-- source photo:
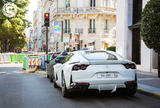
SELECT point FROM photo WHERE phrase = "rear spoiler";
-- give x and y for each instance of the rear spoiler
(106, 62)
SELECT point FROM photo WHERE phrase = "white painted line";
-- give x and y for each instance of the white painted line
(2, 72)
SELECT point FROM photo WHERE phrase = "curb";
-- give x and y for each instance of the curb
(148, 92)
(33, 71)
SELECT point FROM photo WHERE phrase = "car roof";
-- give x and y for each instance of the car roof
(83, 51)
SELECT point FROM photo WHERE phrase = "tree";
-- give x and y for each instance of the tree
(112, 48)
(150, 27)
(12, 36)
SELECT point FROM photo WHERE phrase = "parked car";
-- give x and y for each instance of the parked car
(50, 65)
(101, 70)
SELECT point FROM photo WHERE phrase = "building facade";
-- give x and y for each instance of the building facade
(37, 31)
(129, 41)
(91, 22)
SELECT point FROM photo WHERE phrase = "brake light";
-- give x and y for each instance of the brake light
(129, 66)
(75, 68)
(79, 67)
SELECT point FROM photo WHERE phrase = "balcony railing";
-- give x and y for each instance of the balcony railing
(92, 30)
(79, 30)
(72, 10)
(106, 30)
(67, 30)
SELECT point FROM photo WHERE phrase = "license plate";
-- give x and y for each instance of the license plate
(107, 75)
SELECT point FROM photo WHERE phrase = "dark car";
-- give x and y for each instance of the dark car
(50, 65)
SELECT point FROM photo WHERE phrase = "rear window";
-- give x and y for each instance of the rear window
(93, 55)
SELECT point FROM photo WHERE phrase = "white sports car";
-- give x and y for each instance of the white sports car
(101, 70)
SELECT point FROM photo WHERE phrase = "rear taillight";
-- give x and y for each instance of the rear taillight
(129, 66)
(79, 67)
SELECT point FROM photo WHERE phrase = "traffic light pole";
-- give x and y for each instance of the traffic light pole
(47, 42)
(79, 40)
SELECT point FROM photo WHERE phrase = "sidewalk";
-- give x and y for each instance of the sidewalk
(149, 83)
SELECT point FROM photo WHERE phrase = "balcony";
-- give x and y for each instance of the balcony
(106, 30)
(67, 30)
(92, 30)
(79, 30)
(85, 10)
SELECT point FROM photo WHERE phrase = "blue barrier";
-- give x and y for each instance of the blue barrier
(43, 64)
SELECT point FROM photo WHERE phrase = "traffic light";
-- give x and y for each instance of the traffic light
(46, 19)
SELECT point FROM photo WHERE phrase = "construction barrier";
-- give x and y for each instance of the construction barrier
(4, 58)
(20, 58)
(11, 58)
(29, 61)
(25, 61)
(43, 64)
(34, 62)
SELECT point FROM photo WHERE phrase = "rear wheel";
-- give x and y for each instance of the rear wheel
(47, 76)
(54, 82)
(51, 78)
(131, 90)
(65, 93)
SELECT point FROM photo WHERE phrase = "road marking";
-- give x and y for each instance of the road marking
(149, 89)
(2, 72)
(158, 93)
(142, 88)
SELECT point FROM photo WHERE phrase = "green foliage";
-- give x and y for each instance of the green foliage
(150, 28)
(12, 29)
(112, 48)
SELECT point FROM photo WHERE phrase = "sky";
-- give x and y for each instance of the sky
(31, 8)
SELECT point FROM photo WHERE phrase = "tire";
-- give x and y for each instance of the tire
(51, 78)
(47, 76)
(65, 93)
(54, 83)
(131, 91)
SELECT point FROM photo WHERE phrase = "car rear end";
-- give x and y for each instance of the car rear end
(104, 74)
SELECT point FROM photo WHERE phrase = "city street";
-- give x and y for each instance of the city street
(24, 90)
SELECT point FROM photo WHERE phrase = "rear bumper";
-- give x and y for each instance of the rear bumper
(78, 86)
(101, 87)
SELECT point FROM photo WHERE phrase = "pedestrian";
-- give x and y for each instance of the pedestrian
(85, 47)
(58, 51)
(74, 49)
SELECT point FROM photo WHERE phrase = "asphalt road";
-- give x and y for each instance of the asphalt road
(22, 90)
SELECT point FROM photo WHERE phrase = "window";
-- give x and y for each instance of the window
(106, 26)
(67, 26)
(67, 3)
(99, 55)
(92, 28)
(92, 3)
(105, 3)
(92, 23)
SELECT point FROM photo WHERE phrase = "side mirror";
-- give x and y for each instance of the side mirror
(53, 57)
(58, 61)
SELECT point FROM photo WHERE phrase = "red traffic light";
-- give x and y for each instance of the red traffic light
(44, 45)
(46, 15)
